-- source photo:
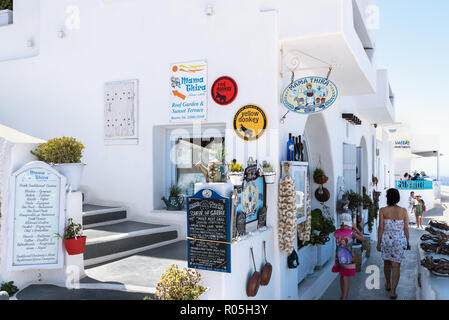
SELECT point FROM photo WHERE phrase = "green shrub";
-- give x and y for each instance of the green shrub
(175, 190)
(9, 287)
(355, 201)
(60, 150)
(366, 201)
(318, 173)
(6, 4)
(177, 284)
(322, 224)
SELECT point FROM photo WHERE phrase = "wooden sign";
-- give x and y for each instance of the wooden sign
(209, 231)
(36, 213)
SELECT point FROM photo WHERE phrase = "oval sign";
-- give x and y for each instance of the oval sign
(250, 122)
(224, 90)
(310, 95)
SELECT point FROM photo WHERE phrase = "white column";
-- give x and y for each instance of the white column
(438, 165)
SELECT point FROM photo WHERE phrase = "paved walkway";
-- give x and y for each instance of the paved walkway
(407, 287)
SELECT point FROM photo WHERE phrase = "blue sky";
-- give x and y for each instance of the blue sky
(413, 44)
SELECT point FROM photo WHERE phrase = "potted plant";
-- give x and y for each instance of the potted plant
(64, 154)
(176, 284)
(355, 201)
(236, 173)
(322, 227)
(366, 201)
(319, 176)
(73, 238)
(175, 200)
(268, 172)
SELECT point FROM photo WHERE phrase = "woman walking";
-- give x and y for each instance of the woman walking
(393, 239)
(343, 260)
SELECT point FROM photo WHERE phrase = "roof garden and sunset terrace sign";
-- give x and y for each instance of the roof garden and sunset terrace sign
(310, 95)
(36, 213)
(188, 91)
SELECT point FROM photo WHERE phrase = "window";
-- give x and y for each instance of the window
(188, 149)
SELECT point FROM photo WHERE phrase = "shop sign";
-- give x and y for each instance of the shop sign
(310, 95)
(209, 231)
(402, 144)
(36, 214)
(188, 91)
(224, 90)
(250, 122)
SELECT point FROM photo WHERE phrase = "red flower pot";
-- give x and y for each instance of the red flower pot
(75, 246)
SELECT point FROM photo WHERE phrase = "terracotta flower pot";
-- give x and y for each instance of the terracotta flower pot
(75, 246)
(320, 179)
(322, 194)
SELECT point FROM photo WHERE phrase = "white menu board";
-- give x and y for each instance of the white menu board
(37, 204)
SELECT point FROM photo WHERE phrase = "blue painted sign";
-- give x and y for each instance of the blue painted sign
(310, 95)
(209, 231)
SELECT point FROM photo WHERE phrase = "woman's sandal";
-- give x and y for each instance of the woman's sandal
(386, 288)
(394, 297)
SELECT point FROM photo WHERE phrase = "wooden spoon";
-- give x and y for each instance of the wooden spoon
(254, 281)
(266, 270)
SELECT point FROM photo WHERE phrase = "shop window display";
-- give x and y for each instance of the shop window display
(186, 152)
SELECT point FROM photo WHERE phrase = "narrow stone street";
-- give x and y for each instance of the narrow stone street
(407, 288)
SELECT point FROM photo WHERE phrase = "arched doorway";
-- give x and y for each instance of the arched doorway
(320, 155)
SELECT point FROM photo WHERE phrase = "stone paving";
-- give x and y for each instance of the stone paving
(407, 287)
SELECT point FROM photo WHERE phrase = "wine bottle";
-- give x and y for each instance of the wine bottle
(290, 148)
(295, 140)
(301, 149)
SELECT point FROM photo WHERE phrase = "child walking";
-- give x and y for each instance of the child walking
(420, 208)
(343, 261)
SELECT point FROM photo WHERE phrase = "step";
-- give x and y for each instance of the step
(105, 243)
(96, 215)
(139, 272)
(52, 292)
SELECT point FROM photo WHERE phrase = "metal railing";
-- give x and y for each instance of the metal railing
(414, 185)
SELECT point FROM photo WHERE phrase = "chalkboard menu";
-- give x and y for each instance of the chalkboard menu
(36, 213)
(209, 231)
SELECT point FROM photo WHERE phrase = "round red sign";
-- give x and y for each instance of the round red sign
(224, 90)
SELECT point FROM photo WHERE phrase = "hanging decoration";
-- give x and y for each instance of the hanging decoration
(287, 214)
(310, 95)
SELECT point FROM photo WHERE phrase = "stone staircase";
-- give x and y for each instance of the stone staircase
(126, 255)
(124, 259)
(110, 235)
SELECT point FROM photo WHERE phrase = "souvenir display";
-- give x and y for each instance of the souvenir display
(286, 211)
(252, 193)
(305, 228)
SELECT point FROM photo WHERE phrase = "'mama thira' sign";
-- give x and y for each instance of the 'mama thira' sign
(36, 214)
(310, 95)
(188, 91)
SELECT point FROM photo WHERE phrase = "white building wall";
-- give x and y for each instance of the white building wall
(60, 90)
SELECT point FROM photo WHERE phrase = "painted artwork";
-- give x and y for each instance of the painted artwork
(310, 95)
(251, 199)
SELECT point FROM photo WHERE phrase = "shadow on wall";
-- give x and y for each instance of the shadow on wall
(320, 154)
